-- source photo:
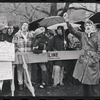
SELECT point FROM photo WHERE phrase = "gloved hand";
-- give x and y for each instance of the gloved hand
(35, 47)
(44, 51)
(65, 16)
(65, 42)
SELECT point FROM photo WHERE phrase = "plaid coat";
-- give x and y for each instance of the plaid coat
(20, 44)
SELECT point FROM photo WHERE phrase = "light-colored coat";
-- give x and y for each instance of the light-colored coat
(85, 73)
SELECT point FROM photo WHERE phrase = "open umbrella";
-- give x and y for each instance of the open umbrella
(53, 27)
(35, 24)
(81, 23)
(46, 22)
(96, 19)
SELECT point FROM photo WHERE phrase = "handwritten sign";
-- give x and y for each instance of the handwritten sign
(7, 51)
(6, 70)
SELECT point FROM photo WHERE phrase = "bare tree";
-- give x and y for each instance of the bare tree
(28, 14)
(53, 9)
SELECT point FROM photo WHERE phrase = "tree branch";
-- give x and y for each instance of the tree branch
(82, 9)
(43, 11)
(15, 7)
(22, 15)
(65, 9)
(61, 9)
(26, 10)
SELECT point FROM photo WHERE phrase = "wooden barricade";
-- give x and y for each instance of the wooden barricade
(28, 57)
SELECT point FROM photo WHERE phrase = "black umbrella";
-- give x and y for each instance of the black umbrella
(35, 24)
(82, 25)
(96, 19)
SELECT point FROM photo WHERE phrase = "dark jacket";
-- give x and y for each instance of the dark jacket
(2, 36)
(57, 44)
(41, 43)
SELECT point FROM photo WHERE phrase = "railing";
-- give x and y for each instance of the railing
(50, 56)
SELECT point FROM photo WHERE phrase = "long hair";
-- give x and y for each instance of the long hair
(61, 27)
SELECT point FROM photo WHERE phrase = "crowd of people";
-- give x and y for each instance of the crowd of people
(42, 40)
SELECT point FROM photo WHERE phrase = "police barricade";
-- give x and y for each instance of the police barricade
(28, 57)
(50, 56)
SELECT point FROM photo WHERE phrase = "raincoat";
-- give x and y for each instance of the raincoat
(87, 66)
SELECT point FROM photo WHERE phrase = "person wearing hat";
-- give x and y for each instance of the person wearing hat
(87, 66)
(3, 32)
(23, 41)
(39, 46)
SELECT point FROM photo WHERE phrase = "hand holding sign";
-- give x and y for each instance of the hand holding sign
(44, 51)
(65, 16)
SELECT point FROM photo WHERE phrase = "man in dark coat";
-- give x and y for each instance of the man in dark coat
(39, 46)
(58, 43)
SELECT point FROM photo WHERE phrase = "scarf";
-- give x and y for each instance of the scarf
(24, 36)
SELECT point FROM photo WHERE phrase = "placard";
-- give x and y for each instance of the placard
(6, 70)
(7, 51)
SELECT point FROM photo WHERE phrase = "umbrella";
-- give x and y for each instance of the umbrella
(53, 27)
(81, 24)
(35, 24)
(96, 19)
(46, 22)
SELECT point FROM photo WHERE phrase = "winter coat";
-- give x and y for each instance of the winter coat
(2, 36)
(40, 44)
(87, 66)
(57, 44)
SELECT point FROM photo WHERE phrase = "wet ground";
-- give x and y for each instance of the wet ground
(68, 89)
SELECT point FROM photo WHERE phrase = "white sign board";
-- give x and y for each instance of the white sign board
(7, 51)
(6, 70)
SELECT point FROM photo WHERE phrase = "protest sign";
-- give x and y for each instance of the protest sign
(7, 51)
(6, 70)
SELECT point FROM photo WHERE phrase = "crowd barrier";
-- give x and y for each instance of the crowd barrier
(49, 56)
(28, 57)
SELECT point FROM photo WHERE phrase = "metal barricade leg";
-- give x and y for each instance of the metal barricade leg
(27, 80)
